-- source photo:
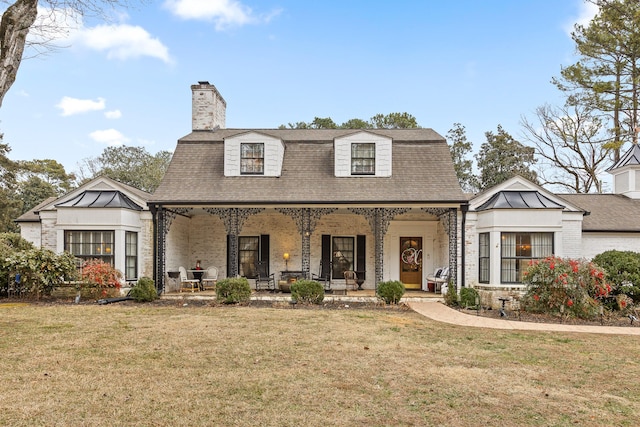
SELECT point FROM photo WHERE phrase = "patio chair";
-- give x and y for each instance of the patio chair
(440, 277)
(350, 279)
(323, 277)
(186, 283)
(210, 278)
(264, 280)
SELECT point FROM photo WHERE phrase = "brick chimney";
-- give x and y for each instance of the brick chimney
(208, 108)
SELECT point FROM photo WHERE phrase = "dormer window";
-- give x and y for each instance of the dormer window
(363, 159)
(252, 158)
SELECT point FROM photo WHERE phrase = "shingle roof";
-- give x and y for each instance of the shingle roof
(607, 212)
(422, 171)
(31, 215)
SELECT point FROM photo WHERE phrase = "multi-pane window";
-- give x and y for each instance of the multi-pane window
(248, 255)
(88, 245)
(131, 255)
(519, 250)
(252, 158)
(363, 159)
(483, 258)
(343, 255)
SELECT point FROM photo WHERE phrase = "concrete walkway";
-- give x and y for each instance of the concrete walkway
(441, 313)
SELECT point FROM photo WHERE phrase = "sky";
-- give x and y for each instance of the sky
(127, 80)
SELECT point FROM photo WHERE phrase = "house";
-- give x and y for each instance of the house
(517, 221)
(296, 203)
(102, 219)
(382, 202)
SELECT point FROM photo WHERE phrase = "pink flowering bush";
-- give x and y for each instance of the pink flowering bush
(102, 277)
(565, 286)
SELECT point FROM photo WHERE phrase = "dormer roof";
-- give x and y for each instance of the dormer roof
(630, 158)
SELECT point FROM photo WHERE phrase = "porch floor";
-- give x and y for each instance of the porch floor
(364, 295)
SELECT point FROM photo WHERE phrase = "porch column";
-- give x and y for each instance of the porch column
(159, 245)
(162, 219)
(233, 219)
(379, 220)
(306, 220)
(449, 219)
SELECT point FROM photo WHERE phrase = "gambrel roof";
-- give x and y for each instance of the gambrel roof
(422, 171)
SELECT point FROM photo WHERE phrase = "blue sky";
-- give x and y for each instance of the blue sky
(127, 81)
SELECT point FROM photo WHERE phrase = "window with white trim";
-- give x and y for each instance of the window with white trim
(88, 245)
(252, 158)
(518, 250)
(131, 255)
(363, 158)
(483, 258)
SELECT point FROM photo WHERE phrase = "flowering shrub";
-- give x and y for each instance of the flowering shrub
(101, 276)
(565, 286)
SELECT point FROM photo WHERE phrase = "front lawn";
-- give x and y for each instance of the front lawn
(174, 365)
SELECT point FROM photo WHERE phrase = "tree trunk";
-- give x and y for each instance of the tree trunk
(14, 27)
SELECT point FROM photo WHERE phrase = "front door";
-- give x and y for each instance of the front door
(411, 262)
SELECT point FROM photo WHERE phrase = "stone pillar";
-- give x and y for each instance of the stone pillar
(306, 220)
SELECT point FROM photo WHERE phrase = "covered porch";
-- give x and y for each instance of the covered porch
(379, 243)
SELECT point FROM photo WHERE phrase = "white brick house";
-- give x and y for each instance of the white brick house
(383, 202)
(517, 221)
(331, 199)
(102, 219)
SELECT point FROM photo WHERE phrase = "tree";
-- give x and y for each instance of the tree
(130, 165)
(394, 121)
(10, 205)
(379, 121)
(19, 19)
(607, 77)
(40, 179)
(502, 157)
(356, 124)
(460, 148)
(569, 141)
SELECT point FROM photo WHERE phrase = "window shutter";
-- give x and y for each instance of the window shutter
(361, 259)
(264, 250)
(325, 262)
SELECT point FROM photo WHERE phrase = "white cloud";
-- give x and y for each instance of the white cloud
(109, 137)
(224, 13)
(63, 27)
(122, 42)
(71, 106)
(115, 114)
(586, 13)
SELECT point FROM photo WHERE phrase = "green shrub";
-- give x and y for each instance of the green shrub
(468, 297)
(307, 291)
(144, 290)
(40, 270)
(451, 297)
(623, 271)
(233, 290)
(390, 292)
(10, 244)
